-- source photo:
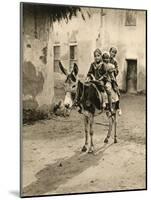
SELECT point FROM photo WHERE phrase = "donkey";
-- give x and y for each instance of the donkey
(90, 101)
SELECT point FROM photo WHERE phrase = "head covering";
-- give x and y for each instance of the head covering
(98, 51)
(105, 55)
(113, 49)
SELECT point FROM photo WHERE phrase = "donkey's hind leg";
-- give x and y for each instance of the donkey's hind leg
(86, 122)
(111, 120)
(115, 125)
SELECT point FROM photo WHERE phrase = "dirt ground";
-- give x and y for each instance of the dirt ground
(53, 162)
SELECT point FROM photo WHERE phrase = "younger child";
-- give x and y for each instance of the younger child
(107, 71)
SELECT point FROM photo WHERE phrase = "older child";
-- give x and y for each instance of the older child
(99, 71)
(113, 52)
(94, 71)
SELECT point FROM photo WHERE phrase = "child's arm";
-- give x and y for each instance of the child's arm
(111, 68)
(103, 72)
(116, 68)
(90, 74)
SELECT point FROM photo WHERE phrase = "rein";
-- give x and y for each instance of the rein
(76, 101)
(82, 95)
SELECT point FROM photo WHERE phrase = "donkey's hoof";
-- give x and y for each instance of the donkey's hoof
(84, 149)
(115, 140)
(106, 140)
(91, 150)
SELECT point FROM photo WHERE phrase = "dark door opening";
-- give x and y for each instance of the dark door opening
(131, 78)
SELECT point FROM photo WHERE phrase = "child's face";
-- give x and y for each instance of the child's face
(106, 60)
(113, 53)
(97, 57)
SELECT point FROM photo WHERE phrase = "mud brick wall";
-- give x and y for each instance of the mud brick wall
(37, 66)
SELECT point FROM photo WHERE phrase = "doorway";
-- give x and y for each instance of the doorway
(131, 78)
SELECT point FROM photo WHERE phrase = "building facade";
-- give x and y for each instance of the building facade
(76, 40)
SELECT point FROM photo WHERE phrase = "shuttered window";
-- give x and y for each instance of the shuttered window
(73, 55)
(130, 18)
(56, 58)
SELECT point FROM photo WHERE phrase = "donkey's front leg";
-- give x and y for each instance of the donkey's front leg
(86, 122)
(110, 128)
(91, 149)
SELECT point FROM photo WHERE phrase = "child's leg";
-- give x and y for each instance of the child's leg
(109, 94)
(104, 99)
(100, 86)
(118, 105)
(118, 108)
(115, 87)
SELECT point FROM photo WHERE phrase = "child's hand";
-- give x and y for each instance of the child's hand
(111, 70)
(88, 78)
(100, 79)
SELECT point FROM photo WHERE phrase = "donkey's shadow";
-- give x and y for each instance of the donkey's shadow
(53, 175)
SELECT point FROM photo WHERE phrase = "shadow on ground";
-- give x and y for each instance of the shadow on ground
(51, 176)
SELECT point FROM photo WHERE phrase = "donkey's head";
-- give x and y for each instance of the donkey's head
(70, 85)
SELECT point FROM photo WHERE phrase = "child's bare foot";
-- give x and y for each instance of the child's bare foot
(104, 105)
(119, 112)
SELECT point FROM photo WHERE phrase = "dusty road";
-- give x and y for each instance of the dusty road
(53, 162)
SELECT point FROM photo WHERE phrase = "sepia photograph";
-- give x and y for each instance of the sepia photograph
(83, 96)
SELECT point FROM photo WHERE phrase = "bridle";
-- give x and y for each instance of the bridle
(77, 100)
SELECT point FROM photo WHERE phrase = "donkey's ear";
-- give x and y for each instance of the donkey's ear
(63, 69)
(75, 69)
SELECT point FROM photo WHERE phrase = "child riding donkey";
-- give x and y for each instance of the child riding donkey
(103, 71)
(88, 97)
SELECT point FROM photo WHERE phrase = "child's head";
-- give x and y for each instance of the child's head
(97, 55)
(106, 57)
(113, 52)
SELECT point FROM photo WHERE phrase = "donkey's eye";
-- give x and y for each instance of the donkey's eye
(73, 86)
